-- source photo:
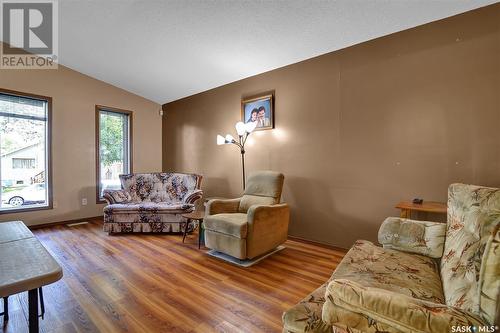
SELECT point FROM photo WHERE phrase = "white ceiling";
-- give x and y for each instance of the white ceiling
(166, 50)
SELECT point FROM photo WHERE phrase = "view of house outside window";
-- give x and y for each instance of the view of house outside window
(24, 153)
(114, 149)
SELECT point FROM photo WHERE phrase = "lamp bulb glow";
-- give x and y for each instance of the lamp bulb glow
(220, 140)
(240, 128)
(250, 126)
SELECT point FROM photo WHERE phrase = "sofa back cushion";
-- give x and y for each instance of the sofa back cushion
(489, 280)
(263, 188)
(159, 187)
(473, 216)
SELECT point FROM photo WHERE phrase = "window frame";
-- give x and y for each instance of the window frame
(48, 147)
(130, 114)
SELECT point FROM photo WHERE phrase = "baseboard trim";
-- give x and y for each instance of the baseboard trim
(53, 224)
(316, 243)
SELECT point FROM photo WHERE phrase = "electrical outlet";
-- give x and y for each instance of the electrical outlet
(84, 202)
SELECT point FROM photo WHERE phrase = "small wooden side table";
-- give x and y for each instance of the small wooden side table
(427, 206)
(198, 216)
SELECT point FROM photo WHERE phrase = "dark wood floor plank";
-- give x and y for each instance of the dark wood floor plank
(156, 283)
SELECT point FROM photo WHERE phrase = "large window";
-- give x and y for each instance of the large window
(25, 175)
(114, 147)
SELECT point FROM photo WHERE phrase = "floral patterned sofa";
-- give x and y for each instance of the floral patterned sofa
(151, 202)
(428, 276)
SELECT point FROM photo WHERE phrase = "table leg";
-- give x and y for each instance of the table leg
(186, 229)
(33, 310)
(42, 304)
(405, 213)
(6, 309)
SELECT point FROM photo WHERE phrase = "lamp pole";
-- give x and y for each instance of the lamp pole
(241, 144)
(244, 130)
(243, 166)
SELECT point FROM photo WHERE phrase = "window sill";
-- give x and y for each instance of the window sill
(24, 210)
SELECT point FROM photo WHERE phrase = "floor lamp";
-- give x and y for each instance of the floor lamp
(243, 130)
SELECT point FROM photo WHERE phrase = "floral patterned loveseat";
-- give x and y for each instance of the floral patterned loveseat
(428, 277)
(151, 202)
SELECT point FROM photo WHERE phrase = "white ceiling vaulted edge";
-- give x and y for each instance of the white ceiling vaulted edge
(166, 50)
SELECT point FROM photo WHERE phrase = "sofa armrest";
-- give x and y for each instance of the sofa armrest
(422, 237)
(192, 196)
(218, 206)
(371, 309)
(116, 196)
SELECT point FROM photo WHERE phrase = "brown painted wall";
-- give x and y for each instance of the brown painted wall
(359, 129)
(74, 97)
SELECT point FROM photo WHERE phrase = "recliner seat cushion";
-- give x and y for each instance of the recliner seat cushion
(234, 246)
(233, 224)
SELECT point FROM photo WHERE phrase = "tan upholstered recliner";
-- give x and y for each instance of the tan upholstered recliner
(252, 225)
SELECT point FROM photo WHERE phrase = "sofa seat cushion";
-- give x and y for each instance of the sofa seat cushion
(372, 266)
(408, 274)
(374, 310)
(148, 207)
(306, 315)
(233, 224)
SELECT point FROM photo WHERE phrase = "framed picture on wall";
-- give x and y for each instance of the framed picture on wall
(259, 109)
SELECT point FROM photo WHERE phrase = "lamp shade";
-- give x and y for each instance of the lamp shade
(240, 128)
(220, 140)
(250, 126)
(229, 138)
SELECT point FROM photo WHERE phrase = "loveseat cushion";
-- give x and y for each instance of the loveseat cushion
(374, 310)
(148, 207)
(473, 215)
(233, 224)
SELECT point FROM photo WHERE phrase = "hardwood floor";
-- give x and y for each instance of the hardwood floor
(155, 283)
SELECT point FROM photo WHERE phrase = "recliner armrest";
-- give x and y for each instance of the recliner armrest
(219, 206)
(267, 228)
(267, 214)
(422, 237)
